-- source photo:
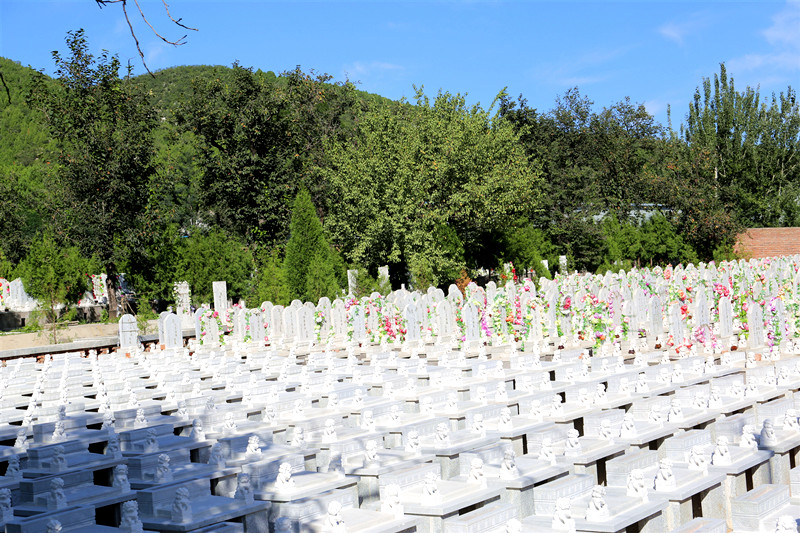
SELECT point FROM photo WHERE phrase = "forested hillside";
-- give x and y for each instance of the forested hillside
(193, 174)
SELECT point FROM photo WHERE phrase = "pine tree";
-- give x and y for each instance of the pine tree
(307, 252)
(271, 280)
(321, 278)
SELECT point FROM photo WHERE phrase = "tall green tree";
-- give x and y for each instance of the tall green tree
(593, 166)
(208, 256)
(261, 138)
(753, 145)
(308, 268)
(421, 186)
(56, 274)
(103, 126)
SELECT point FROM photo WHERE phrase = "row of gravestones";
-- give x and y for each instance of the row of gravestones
(435, 312)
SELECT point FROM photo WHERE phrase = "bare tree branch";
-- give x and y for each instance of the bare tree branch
(178, 22)
(177, 42)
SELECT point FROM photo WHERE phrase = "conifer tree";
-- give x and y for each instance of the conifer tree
(307, 253)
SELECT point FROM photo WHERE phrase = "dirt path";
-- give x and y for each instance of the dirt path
(12, 341)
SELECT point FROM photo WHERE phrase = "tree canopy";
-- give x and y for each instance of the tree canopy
(279, 183)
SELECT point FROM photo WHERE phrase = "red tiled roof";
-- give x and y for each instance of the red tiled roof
(768, 242)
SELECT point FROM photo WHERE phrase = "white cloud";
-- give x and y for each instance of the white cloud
(362, 71)
(586, 69)
(785, 26)
(783, 57)
(678, 31)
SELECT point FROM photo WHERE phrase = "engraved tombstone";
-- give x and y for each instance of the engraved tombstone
(128, 332)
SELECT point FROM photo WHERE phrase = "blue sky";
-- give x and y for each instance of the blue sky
(654, 52)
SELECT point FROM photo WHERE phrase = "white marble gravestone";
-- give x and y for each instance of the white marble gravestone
(183, 302)
(352, 282)
(220, 289)
(755, 321)
(725, 318)
(161, 317)
(173, 333)
(128, 332)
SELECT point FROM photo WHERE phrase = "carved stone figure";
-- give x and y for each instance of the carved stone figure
(635, 486)
(112, 448)
(721, 456)
(215, 457)
(442, 435)
(150, 441)
(371, 453)
(56, 499)
(334, 522)
(244, 490)
(329, 431)
(477, 424)
(508, 468)
(675, 413)
(573, 443)
(130, 522)
(6, 512)
(59, 433)
(163, 473)
(665, 479)
(768, 435)
(120, 479)
(13, 471)
(697, 460)
(476, 474)
(546, 451)
(597, 510)
(141, 420)
(298, 438)
(181, 511)
(284, 480)
(748, 439)
(562, 517)
(198, 433)
(390, 503)
(253, 450)
(412, 442)
(58, 463)
(430, 490)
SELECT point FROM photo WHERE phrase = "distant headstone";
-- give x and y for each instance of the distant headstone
(338, 319)
(656, 319)
(383, 279)
(198, 329)
(676, 327)
(454, 295)
(472, 322)
(755, 322)
(128, 332)
(211, 329)
(173, 332)
(725, 318)
(161, 334)
(702, 318)
(220, 289)
(412, 322)
(275, 330)
(359, 327)
(446, 317)
(352, 282)
(183, 301)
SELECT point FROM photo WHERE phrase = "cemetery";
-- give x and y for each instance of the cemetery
(664, 399)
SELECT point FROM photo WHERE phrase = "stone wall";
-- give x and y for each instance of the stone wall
(768, 242)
